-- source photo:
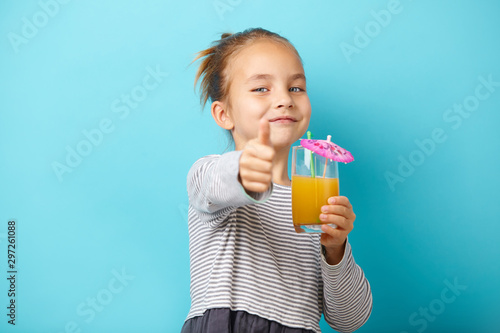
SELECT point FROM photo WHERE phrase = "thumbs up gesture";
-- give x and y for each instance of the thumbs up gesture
(256, 161)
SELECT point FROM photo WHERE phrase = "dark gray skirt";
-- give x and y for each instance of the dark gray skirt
(224, 320)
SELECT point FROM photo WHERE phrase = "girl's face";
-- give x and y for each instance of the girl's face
(267, 80)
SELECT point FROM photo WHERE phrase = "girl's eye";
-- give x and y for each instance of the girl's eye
(261, 90)
(296, 89)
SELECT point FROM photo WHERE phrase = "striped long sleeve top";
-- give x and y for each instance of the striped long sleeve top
(245, 255)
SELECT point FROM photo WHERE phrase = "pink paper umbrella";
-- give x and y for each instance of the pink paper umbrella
(327, 149)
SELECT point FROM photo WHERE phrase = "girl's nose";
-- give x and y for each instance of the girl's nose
(284, 100)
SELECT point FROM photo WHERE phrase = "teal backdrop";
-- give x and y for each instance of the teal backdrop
(99, 125)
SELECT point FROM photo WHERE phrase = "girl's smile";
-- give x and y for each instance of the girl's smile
(283, 120)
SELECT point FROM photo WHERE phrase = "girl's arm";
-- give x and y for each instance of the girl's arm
(214, 190)
(347, 296)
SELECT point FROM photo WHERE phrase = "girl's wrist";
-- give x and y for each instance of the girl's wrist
(334, 254)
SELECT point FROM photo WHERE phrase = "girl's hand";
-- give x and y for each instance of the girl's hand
(256, 161)
(339, 212)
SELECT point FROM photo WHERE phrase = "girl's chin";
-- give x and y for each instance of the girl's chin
(280, 144)
(284, 137)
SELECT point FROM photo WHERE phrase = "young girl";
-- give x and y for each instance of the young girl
(250, 270)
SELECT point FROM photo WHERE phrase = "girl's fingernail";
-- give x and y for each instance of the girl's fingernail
(331, 201)
(324, 209)
(322, 216)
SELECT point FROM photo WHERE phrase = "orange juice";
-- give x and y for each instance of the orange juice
(308, 196)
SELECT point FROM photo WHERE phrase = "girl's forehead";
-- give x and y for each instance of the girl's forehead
(264, 57)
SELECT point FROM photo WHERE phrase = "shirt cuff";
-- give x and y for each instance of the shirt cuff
(335, 270)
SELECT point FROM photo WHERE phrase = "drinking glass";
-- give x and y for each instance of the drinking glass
(314, 179)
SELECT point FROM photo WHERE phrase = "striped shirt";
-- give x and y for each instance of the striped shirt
(245, 255)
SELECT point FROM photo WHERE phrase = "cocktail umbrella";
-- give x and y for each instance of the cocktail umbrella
(327, 149)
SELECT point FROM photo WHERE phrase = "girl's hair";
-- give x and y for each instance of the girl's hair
(212, 70)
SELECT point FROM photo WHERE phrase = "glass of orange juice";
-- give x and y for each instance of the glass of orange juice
(314, 179)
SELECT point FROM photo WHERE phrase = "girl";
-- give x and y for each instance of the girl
(250, 270)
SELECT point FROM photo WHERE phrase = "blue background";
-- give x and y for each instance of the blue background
(122, 209)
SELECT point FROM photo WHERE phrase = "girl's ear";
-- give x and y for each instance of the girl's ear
(221, 115)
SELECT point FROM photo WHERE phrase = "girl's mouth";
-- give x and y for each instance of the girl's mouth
(283, 120)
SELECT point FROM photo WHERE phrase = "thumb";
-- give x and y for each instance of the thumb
(264, 135)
